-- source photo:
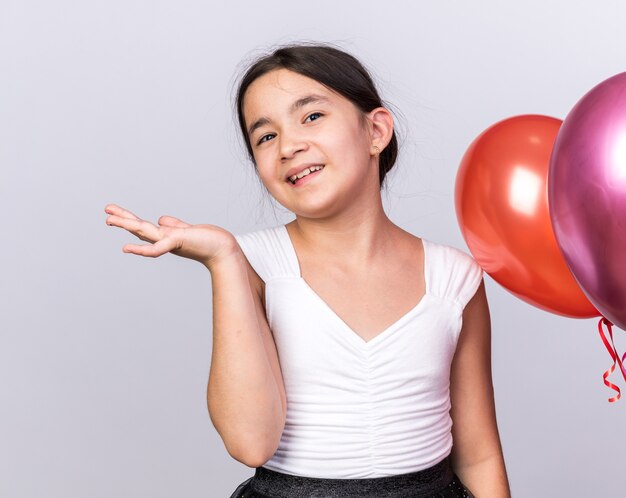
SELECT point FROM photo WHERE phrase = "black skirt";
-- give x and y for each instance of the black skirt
(438, 481)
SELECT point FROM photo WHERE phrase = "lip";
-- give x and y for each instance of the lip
(298, 169)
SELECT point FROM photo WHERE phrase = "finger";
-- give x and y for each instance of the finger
(151, 250)
(170, 221)
(119, 211)
(140, 228)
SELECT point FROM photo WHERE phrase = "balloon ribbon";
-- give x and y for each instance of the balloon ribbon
(610, 346)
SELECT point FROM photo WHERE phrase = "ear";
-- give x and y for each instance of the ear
(380, 127)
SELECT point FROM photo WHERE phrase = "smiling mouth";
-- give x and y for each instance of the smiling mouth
(306, 172)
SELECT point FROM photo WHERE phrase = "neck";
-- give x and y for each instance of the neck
(353, 237)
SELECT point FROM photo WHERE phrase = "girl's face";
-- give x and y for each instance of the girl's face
(295, 123)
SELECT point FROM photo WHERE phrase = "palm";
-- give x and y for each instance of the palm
(203, 243)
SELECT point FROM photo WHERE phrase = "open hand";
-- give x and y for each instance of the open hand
(204, 243)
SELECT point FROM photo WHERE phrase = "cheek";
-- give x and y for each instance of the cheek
(261, 164)
(355, 134)
(352, 146)
(266, 172)
(264, 175)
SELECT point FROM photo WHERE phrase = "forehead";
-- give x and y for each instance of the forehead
(281, 85)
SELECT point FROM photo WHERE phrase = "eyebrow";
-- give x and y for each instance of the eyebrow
(298, 104)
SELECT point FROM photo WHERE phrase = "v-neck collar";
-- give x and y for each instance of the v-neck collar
(360, 341)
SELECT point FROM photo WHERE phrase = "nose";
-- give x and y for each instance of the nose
(291, 144)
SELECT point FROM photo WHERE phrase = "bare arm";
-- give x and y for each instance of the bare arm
(477, 453)
(245, 394)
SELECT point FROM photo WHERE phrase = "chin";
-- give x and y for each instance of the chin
(320, 211)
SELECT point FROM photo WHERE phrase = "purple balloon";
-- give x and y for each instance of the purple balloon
(587, 195)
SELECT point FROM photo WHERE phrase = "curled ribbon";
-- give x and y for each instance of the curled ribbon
(610, 346)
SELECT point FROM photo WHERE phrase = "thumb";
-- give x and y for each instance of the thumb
(170, 221)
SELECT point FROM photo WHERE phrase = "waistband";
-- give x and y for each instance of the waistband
(420, 484)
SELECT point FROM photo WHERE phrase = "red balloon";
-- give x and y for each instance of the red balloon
(501, 202)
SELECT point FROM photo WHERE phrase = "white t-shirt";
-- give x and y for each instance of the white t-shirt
(356, 408)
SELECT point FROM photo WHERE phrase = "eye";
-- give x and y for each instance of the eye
(262, 139)
(314, 116)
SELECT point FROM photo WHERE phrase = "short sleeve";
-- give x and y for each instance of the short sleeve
(252, 247)
(457, 276)
(265, 251)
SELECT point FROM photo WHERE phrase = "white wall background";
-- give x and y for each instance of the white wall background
(104, 356)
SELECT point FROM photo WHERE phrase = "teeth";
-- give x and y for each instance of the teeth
(305, 172)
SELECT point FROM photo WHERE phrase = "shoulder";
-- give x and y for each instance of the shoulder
(450, 253)
(454, 274)
(256, 239)
(266, 251)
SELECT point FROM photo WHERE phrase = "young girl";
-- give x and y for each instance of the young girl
(348, 354)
